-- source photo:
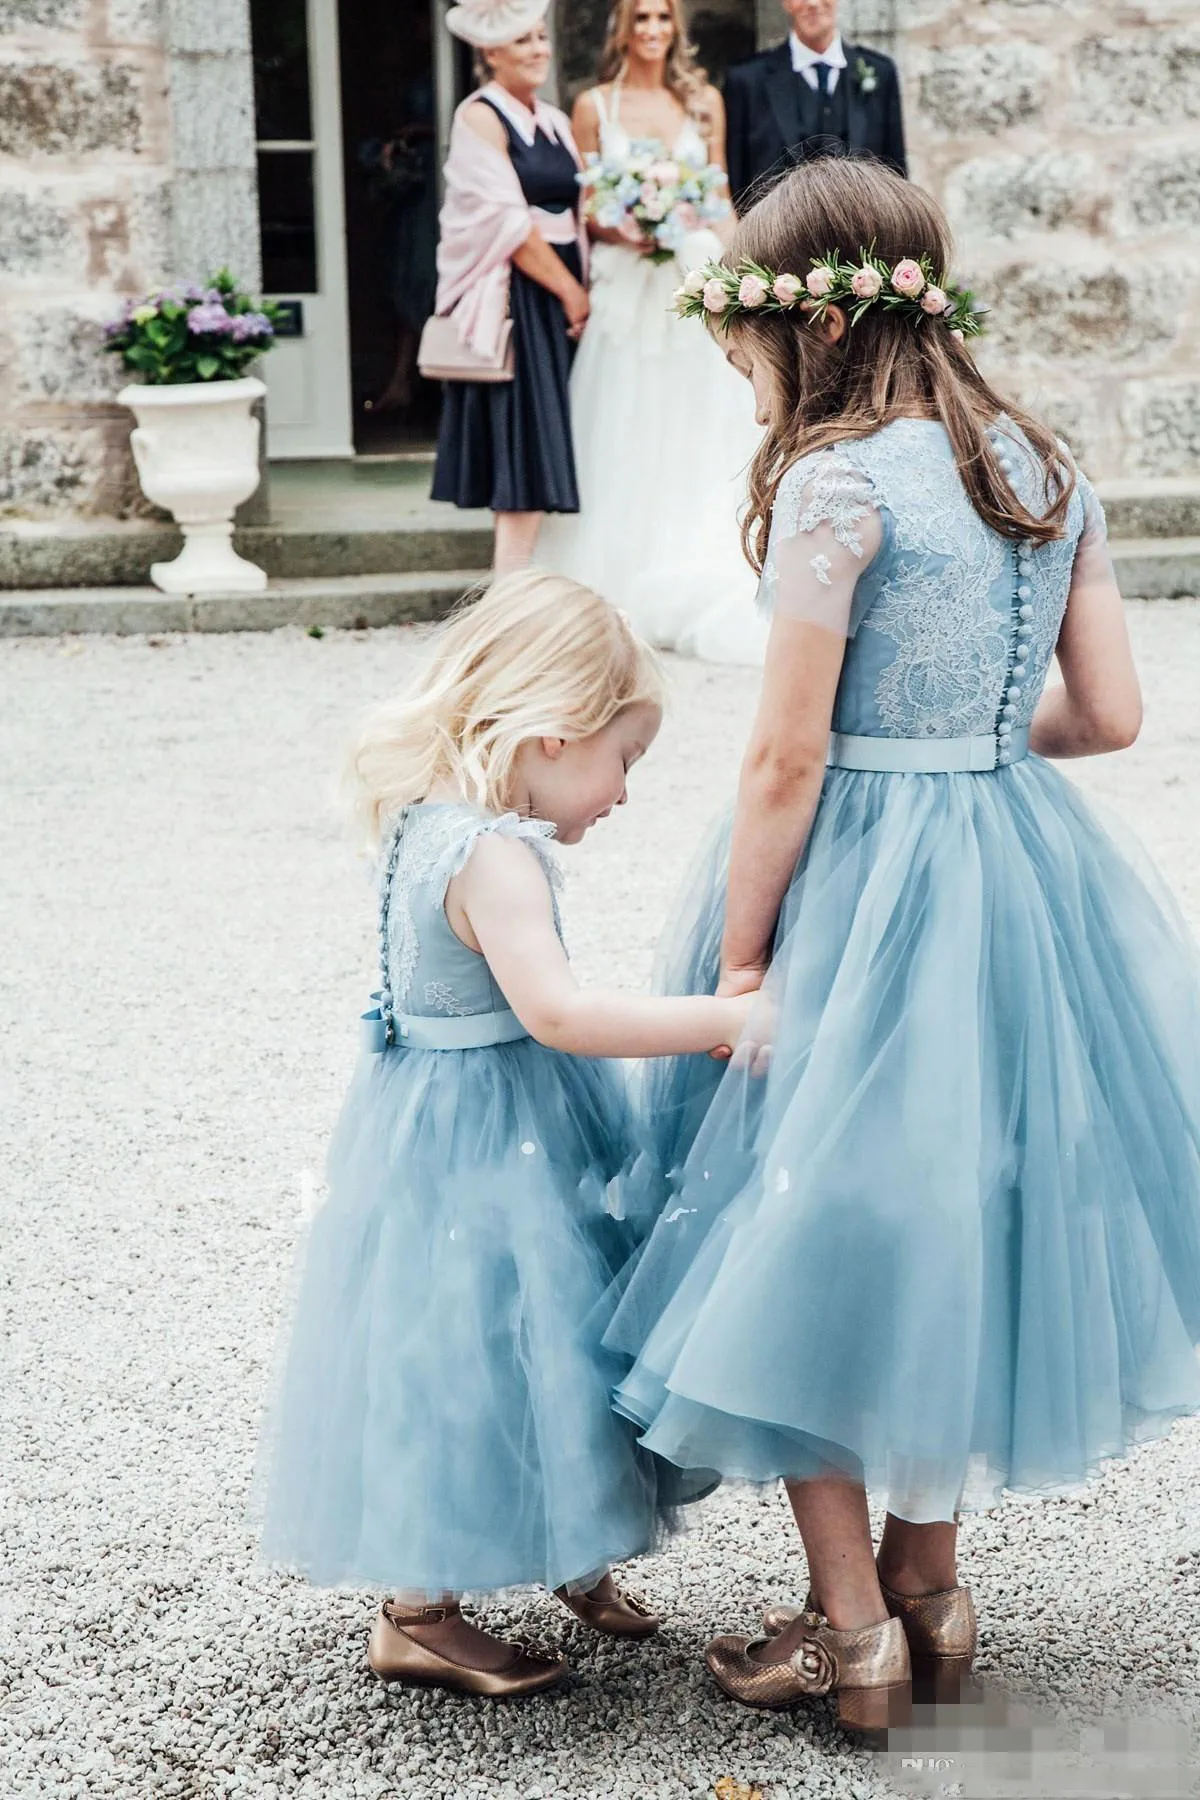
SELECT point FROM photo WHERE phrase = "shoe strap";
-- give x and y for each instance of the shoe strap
(419, 1615)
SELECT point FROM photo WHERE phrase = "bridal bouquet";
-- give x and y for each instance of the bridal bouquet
(653, 197)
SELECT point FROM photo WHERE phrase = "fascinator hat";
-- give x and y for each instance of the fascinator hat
(488, 23)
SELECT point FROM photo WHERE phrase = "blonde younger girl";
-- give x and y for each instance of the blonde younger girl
(445, 1422)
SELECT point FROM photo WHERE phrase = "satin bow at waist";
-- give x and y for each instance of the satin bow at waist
(411, 1031)
(927, 756)
(556, 227)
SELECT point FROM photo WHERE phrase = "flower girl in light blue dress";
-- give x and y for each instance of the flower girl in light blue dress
(945, 1239)
(444, 1421)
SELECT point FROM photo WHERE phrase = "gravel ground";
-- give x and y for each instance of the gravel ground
(187, 945)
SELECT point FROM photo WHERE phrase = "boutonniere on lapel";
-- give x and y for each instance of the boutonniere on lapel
(866, 77)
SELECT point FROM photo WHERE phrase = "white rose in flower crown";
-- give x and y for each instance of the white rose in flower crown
(714, 296)
(752, 291)
(786, 289)
(934, 301)
(693, 283)
(866, 282)
(818, 282)
(907, 278)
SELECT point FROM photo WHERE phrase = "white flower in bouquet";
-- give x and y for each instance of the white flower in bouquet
(653, 198)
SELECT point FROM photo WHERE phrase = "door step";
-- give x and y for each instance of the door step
(351, 602)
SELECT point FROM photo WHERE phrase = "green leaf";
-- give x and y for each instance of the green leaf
(207, 367)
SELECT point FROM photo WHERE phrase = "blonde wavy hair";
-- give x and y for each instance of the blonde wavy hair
(534, 656)
(683, 76)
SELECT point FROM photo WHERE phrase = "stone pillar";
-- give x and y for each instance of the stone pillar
(214, 192)
(1064, 142)
(84, 219)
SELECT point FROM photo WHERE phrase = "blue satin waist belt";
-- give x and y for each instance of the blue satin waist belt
(478, 1031)
(927, 756)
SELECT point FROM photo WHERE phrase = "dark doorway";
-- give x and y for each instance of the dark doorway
(390, 158)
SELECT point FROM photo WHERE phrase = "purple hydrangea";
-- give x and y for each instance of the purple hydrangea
(122, 321)
(251, 325)
(192, 292)
(210, 317)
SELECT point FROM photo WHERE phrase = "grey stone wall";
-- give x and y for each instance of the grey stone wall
(1063, 138)
(84, 171)
(126, 161)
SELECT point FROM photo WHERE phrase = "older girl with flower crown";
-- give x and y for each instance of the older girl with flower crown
(946, 1240)
(444, 1423)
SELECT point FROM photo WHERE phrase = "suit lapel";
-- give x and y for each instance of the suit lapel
(856, 102)
(784, 93)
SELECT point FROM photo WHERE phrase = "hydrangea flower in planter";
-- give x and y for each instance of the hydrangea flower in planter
(196, 441)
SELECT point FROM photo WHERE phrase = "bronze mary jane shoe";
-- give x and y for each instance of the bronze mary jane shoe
(941, 1632)
(622, 1616)
(867, 1671)
(395, 1655)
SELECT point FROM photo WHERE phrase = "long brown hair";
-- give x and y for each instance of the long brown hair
(889, 365)
(683, 76)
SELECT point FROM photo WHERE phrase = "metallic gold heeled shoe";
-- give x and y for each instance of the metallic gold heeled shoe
(777, 1618)
(942, 1631)
(867, 1671)
(395, 1655)
(622, 1616)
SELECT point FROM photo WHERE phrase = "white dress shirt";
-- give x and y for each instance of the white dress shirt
(803, 60)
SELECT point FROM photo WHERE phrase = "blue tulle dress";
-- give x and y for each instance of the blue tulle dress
(443, 1423)
(950, 1243)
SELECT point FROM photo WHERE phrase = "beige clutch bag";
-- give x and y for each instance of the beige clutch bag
(442, 355)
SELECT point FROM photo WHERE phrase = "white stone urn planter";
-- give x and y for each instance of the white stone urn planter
(196, 450)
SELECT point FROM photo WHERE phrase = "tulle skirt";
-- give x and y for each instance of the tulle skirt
(949, 1243)
(443, 1420)
(663, 431)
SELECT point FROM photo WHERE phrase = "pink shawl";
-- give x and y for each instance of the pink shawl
(485, 218)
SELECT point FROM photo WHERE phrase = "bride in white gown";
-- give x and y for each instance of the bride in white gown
(663, 427)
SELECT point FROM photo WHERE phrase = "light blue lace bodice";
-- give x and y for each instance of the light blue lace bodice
(427, 970)
(951, 627)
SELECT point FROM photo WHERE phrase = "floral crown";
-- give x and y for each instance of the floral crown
(721, 295)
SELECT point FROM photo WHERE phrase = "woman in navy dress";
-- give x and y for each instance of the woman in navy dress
(507, 445)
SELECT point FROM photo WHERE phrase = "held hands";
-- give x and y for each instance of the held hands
(738, 989)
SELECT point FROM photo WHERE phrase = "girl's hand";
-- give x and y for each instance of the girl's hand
(745, 980)
(737, 1010)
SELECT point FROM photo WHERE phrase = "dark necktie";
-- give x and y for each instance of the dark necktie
(824, 74)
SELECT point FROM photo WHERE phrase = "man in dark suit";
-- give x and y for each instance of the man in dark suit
(813, 93)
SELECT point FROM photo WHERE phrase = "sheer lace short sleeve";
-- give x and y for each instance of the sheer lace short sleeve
(1093, 562)
(825, 530)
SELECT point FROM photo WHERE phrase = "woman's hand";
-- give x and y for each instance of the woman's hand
(577, 306)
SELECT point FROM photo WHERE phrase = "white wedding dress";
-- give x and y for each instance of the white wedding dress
(663, 430)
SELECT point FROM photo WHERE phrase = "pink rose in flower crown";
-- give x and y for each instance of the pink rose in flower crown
(786, 289)
(752, 290)
(961, 336)
(866, 282)
(907, 278)
(714, 296)
(818, 282)
(933, 300)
